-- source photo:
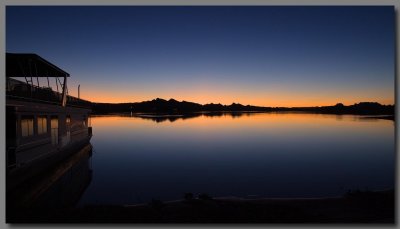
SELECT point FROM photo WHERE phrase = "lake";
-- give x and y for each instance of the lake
(251, 155)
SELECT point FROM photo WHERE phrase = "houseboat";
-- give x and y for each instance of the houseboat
(44, 125)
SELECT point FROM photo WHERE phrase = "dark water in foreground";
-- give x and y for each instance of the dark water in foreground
(259, 155)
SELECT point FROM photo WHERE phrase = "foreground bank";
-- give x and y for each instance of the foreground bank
(353, 207)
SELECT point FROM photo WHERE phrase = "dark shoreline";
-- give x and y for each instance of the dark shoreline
(357, 207)
(173, 106)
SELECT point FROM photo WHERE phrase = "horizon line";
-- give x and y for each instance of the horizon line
(246, 104)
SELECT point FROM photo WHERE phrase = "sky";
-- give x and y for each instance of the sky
(260, 55)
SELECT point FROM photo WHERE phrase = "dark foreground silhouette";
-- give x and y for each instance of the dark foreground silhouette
(161, 106)
(353, 207)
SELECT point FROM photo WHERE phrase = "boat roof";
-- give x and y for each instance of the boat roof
(31, 65)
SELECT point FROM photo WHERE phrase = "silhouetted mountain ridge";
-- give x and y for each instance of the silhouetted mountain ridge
(173, 106)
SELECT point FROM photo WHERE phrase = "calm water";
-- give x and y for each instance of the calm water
(136, 159)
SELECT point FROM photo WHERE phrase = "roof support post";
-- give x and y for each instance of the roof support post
(64, 93)
(57, 84)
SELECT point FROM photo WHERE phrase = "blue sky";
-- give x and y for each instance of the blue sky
(270, 56)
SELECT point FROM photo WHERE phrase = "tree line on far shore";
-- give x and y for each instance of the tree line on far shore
(173, 106)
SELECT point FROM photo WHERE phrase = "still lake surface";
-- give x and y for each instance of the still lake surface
(247, 155)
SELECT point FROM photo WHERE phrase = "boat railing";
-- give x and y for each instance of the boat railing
(22, 91)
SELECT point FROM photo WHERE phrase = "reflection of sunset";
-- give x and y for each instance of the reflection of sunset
(270, 120)
(274, 123)
(202, 113)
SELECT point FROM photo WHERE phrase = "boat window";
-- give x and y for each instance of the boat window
(54, 122)
(42, 124)
(26, 126)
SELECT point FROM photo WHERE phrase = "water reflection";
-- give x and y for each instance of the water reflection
(262, 154)
(174, 117)
(163, 118)
(58, 189)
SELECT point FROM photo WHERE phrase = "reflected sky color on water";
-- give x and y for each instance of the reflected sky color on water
(253, 155)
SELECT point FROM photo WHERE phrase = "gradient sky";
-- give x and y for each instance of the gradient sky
(267, 56)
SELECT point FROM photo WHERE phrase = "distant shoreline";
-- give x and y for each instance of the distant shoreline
(161, 106)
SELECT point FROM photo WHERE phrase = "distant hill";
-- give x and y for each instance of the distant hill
(173, 106)
(169, 106)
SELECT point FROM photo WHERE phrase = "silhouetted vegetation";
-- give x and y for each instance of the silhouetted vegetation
(156, 204)
(205, 196)
(161, 106)
(188, 196)
(355, 207)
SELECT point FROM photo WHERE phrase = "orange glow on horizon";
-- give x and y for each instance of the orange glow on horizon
(268, 98)
(276, 102)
